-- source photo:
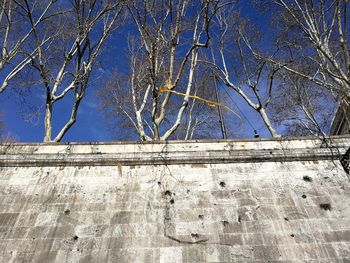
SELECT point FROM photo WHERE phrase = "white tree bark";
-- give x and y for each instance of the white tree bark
(164, 32)
(11, 53)
(252, 80)
(81, 57)
(324, 26)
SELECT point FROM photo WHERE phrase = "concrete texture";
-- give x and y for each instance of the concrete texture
(209, 201)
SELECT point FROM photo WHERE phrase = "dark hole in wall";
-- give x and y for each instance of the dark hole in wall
(222, 184)
(201, 217)
(67, 212)
(307, 178)
(326, 206)
(167, 192)
(304, 196)
(225, 223)
(194, 235)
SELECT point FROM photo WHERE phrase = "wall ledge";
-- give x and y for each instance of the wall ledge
(194, 152)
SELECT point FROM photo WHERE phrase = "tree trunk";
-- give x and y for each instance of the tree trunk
(48, 124)
(268, 124)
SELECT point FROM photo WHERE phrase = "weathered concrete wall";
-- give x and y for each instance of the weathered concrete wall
(244, 201)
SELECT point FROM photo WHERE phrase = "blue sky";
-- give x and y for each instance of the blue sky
(90, 125)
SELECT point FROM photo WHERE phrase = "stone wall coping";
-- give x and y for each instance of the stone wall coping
(173, 152)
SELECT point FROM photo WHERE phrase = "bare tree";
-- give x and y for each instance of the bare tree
(163, 61)
(301, 107)
(165, 89)
(199, 121)
(16, 53)
(252, 78)
(315, 33)
(65, 66)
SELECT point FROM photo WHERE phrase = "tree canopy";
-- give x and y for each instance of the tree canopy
(180, 69)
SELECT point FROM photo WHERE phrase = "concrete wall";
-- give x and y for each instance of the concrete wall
(228, 201)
